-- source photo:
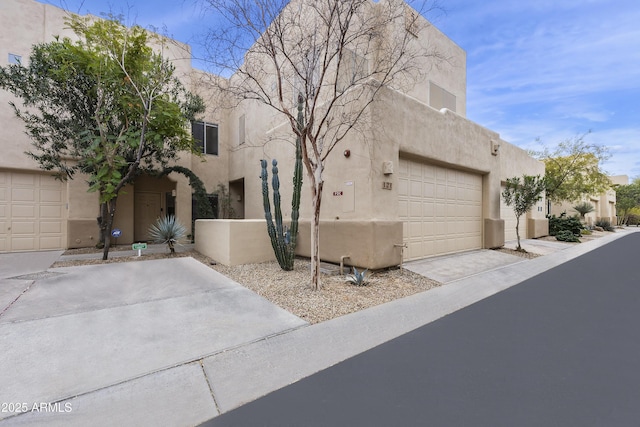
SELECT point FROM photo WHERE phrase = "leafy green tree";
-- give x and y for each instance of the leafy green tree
(573, 169)
(107, 106)
(627, 199)
(522, 195)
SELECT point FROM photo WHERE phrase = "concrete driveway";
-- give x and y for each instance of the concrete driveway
(127, 338)
(449, 268)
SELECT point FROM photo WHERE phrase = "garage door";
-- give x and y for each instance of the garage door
(441, 209)
(31, 212)
(506, 213)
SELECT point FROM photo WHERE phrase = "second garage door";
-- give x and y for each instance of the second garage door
(441, 209)
(31, 212)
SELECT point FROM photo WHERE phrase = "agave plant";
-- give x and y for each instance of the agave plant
(583, 209)
(358, 277)
(169, 230)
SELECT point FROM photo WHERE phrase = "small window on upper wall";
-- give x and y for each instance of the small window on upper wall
(354, 69)
(241, 132)
(206, 137)
(14, 59)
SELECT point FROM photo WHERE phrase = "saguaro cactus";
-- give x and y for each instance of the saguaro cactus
(283, 239)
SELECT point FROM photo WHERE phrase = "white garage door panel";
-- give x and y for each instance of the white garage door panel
(20, 227)
(23, 211)
(441, 209)
(32, 214)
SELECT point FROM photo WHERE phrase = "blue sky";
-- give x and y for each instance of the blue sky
(546, 69)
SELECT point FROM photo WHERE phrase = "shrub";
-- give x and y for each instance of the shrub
(567, 236)
(606, 225)
(169, 230)
(633, 219)
(585, 232)
(357, 278)
(564, 223)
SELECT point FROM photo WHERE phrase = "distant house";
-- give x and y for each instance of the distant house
(426, 181)
(604, 204)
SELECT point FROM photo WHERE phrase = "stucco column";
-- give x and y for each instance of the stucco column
(493, 224)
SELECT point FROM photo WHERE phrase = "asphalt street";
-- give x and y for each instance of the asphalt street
(559, 349)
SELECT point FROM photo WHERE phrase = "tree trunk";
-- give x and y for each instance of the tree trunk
(315, 235)
(108, 224)
(102, 225)
(518, 248)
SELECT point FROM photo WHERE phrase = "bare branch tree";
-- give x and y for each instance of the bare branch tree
(338, 54)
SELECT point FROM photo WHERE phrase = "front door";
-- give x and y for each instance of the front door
(147, 208)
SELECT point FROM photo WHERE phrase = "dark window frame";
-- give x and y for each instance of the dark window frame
(206, 136)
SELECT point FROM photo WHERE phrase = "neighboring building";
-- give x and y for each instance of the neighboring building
(604, 204)
(428, 176)
(38, 212)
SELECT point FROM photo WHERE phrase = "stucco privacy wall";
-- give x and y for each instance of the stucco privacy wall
(371, 244)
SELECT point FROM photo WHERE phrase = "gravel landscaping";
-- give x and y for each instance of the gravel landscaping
(291, 290)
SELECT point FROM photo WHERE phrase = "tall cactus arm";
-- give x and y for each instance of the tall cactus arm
(297, 181)
(267, 213)
(275, 184)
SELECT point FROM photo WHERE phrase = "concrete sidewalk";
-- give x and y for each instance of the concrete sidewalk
(123, 343)
(146, 353)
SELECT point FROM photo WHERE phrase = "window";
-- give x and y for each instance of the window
(440, 98)
(213, 201)
(241, 134)
(353, 69)
(206, 136)
(14, 59)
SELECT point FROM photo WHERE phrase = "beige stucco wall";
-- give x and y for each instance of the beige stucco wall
(22, 24)
(233, 242)
(444, 64)
(212, 170)
(515, 162)
(368, 244)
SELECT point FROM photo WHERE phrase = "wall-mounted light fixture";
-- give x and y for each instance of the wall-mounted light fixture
(387, 167)
(495, 147)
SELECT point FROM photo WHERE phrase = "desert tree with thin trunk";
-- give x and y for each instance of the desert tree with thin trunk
(337, 54)
(522, 195)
